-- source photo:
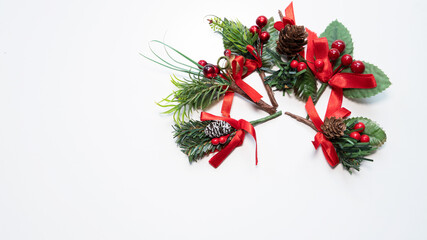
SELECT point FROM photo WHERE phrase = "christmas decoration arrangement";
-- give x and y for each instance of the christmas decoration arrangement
(288, 58)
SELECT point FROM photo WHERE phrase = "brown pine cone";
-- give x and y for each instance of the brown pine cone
(333, 127)
(292, 40)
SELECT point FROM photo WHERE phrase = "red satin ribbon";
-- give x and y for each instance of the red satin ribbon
(251, 64)
(289, 18)
(238, 78)
(319, 48)
(241, 126)
(320, 139)
(227, 102)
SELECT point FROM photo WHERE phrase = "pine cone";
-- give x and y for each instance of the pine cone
(292, 40)
(217, 129)
(333, 127)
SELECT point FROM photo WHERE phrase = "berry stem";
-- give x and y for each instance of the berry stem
(301, 119)
(336, 69)
(265, 119)
(268, 89)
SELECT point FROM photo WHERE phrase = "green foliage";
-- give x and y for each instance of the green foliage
(337, 31)
(351, 153)
(197, 92)
(192, 140)
(376, 134)
(305, 86)
(267, 58)
(216, 24)
(235, 35)
(286, 78)
(383, 83)
(282, 79)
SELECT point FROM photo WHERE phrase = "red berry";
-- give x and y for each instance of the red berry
(319, 64)
(301, 66)
(202, 63)
(215, 141)
(216, 69)
(294, 64)
(223, 139)
(360, 127)
(355, 135)
(339, 44)
(346, 60)
(357, 67)
(264, 36)
(209, 71)
(261, 21)
(254, 29)
(364, 138)
(227, 52)
(334, 54)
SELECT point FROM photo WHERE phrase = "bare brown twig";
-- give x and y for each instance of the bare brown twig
(303, 120)
(268, 89)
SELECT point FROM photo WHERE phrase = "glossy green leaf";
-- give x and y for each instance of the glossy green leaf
(372, 129)
(337, 31)
(383, 83)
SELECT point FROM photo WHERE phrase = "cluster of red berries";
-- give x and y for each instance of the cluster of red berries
(209, 70)
(337, 48)
(220, 140)
(356, 135)
(261, 22)
(298, 65)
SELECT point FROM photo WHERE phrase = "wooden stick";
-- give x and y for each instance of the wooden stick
(261, 104)
(303, 120)
(268, 89)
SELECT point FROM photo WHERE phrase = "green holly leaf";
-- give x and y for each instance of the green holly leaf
(372, 129)
(383, 83)
(337, 31)
(305, 86)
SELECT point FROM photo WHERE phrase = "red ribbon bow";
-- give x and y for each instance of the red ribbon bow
(320, 139)
(251, 66)
(241, 126)
(319, 48)
(237, 67)
(289, 18)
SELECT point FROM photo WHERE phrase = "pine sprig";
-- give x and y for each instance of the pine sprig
(351, 152)
(268, 60)
(191, 138)
(195, 93)
(285, 77)
(235, 35)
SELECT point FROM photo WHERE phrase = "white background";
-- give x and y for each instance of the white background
(86, 154)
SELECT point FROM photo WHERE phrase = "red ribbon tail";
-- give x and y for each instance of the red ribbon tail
(251, 92)
(328, 149)
(335, 101)
(237, 140)
(227, 103)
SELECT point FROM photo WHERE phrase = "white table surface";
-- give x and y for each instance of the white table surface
(86, 154)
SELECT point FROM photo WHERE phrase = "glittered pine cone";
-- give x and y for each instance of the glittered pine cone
(217, 129)
(333, 127)
(292, 40)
